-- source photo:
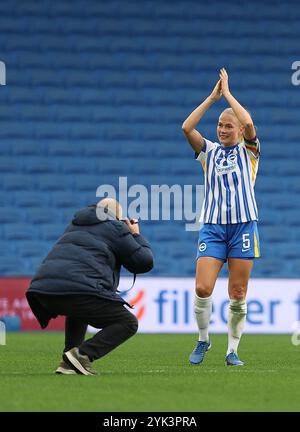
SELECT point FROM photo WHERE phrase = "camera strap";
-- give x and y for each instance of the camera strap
(123, 292)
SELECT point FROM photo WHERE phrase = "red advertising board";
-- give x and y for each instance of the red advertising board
(14, 303)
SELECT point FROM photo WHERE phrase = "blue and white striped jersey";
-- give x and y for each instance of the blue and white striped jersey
(230, 174)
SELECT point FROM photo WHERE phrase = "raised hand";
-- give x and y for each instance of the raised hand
(216, 94)
(224, 82)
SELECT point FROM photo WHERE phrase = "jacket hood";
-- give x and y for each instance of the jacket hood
(92, 215)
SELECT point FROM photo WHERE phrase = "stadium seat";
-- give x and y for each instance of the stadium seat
(48, 182)
(20, 182)
(268, 184)
(77, 165)
(18, 231)
(95, 149)
(52, 232)
(274, 234)
(290, 250)
(89, 182)
(28, 249)
(31, 199)
(41, 165)
(6, 199)
(116, 109)
(64, 200)
(266, 267)
(33, 263)
(10, 215)
(41, 215)
(60, 148)
(12, 265)
(291, 218)
(10, 165)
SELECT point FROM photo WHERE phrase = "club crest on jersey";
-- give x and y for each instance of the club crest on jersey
(225, 161)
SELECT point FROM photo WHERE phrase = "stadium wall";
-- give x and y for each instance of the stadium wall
(165, 305)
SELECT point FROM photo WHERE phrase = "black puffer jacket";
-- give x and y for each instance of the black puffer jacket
(88, 257)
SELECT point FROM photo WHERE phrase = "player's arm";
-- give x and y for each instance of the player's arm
(243, 116)
(194, 137)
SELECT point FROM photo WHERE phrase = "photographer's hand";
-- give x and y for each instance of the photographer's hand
(132, 225)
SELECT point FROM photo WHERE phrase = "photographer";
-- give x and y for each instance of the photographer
(79, 279)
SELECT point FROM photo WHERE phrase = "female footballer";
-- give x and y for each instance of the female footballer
(229, 214)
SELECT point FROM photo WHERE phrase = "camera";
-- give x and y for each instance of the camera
(132, 221)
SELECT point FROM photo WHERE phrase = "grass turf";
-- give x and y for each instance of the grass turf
(151, 373)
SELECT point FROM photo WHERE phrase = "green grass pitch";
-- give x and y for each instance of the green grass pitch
(152, 373)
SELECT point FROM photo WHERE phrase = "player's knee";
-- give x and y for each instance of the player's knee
(238, 291)
(131, 325)
(203, 290)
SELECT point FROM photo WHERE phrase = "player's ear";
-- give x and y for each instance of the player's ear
(241, 133)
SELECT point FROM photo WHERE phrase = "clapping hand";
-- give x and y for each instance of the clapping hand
(216, 94)
(224, 82)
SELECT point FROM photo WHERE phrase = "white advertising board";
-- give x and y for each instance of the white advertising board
(165, 305)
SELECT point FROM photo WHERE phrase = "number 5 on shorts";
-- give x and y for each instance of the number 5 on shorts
(246, 242)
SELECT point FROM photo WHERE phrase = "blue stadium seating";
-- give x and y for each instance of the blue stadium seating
(31, 199)
(31, 249)
(9, 215)
(37, 217)
(11, 265)
(19, 231)
(51, 231)
(101, 92)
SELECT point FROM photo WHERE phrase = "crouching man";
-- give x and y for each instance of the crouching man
(79, 279)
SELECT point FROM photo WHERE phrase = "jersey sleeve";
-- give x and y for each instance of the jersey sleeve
(207, 147)
(252, 147)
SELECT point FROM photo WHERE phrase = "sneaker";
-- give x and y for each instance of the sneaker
(232, 359)
(198, 354)
(65, 369)
(79, 362)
